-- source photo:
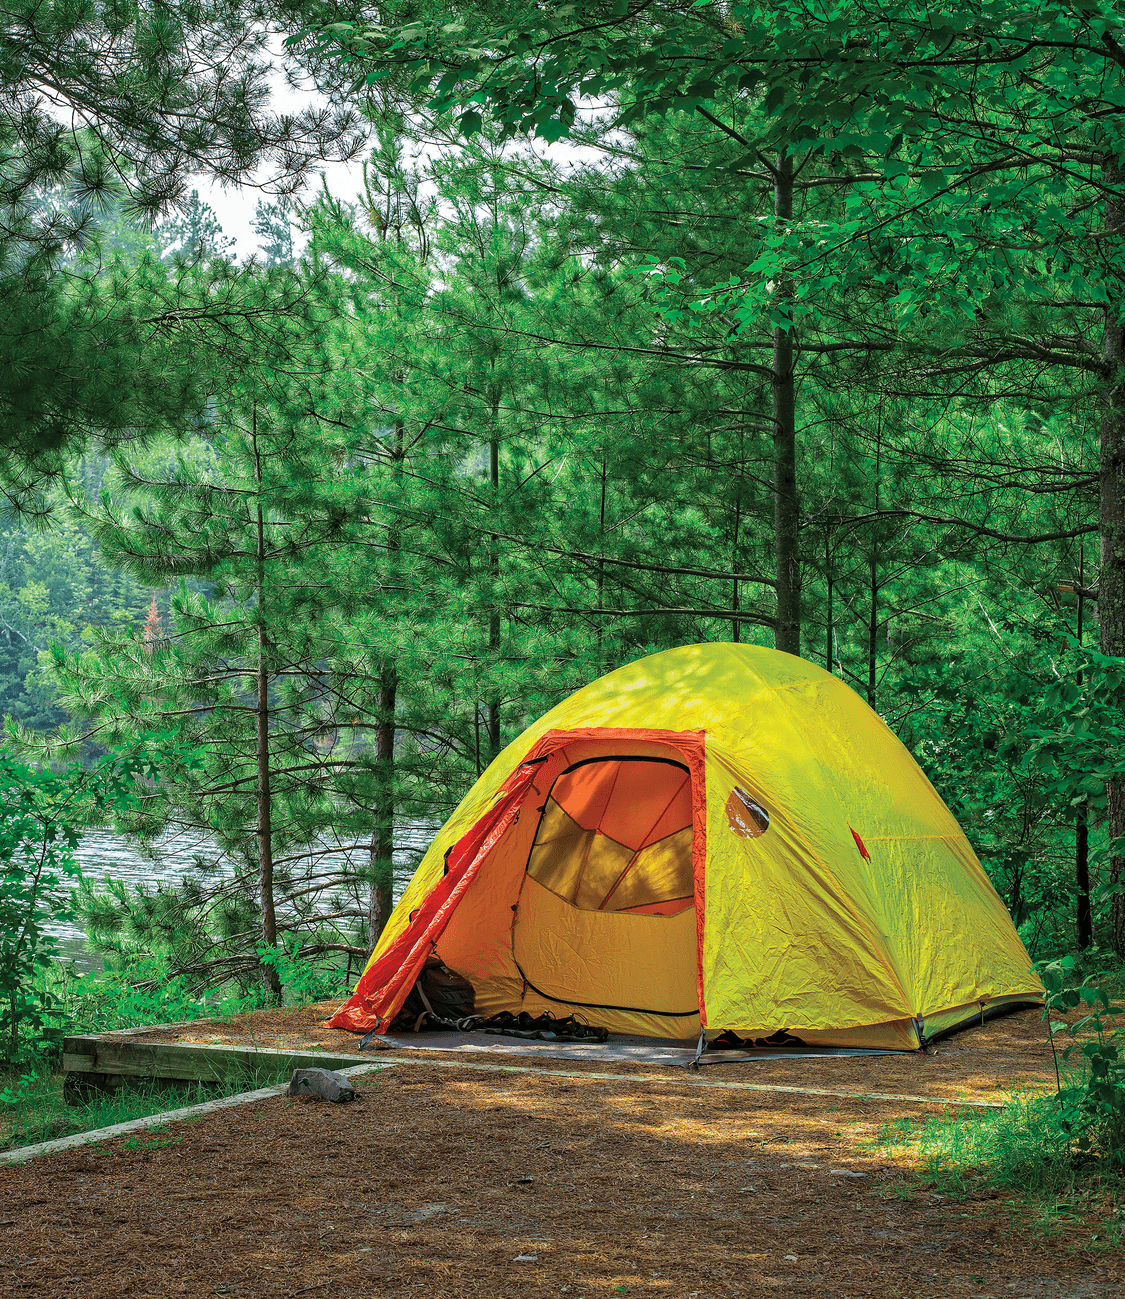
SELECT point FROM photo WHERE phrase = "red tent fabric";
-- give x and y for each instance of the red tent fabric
(385, 985)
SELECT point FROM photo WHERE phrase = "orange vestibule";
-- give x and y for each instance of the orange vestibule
(708, 872)
(588, 896)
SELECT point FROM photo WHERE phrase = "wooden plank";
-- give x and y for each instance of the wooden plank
(192, 1061)
(79, 1042)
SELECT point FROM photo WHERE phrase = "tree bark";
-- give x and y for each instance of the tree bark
(270, 980)
(602, 665)
(380, 901)
(492, 716)
(1111, 585)
(785, 500)
(735, 623)
(381, 898)
(1084, 918)
(873, 609)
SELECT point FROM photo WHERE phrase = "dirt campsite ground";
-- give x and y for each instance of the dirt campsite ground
(461, 1181)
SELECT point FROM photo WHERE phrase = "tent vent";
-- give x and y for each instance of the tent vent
(747, 818)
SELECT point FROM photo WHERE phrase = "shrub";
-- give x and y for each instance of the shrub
(1090, 1111)
(40, 811)
(37, 840)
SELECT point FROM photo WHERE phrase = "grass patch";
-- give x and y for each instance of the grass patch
(40, 1112)
(1021, 1151)
(1061, 1156)
(134, 989)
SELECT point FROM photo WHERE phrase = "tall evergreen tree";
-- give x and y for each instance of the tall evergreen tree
(107, 106)
(243, 677)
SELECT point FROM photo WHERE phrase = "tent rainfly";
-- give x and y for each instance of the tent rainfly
(715, 837)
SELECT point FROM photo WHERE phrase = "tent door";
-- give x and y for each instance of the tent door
(605, 920)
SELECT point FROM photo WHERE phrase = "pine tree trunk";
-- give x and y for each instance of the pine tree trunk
(492, 717)
(1084, 921)
(270, 980)
(873, 587)
(602, 665)
(382, 844)
(1111, 586)
(380, 900)
(1084, 918)
(735, 624)
(786, 504)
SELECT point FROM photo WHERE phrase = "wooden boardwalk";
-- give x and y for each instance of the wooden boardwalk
(103, 1059)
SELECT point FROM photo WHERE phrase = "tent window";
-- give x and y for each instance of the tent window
(615, 835)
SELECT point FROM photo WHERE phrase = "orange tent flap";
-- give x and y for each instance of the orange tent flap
(387, 981)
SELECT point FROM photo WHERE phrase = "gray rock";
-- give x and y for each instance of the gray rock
(325, 1083)
(846, 1172)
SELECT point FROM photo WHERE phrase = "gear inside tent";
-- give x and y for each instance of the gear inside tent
(721, 838)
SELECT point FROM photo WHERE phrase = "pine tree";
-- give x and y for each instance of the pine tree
(243, 677)
(274, 223)
(195, 232)
(109, 108)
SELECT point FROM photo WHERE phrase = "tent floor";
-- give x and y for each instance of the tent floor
(621, 1048)
(263, 1044)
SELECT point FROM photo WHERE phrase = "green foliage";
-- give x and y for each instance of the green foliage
(42, 1112)
(16, 1089)
(273, 224)
(243, 675)
(55, 587)
(1075, 734)
(195, 232)
(133, 989)
(40, 811)
(303, 980)
(917, 114)
(1019, 756)
(1091, 1112)
(141, 98)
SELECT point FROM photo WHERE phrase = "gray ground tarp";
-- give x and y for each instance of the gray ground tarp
(620, 1049)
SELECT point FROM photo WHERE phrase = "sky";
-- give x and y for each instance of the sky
(235, 207)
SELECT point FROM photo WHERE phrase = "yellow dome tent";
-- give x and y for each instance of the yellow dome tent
(717, 836)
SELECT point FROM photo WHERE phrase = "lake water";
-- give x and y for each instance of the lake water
(103, 853)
